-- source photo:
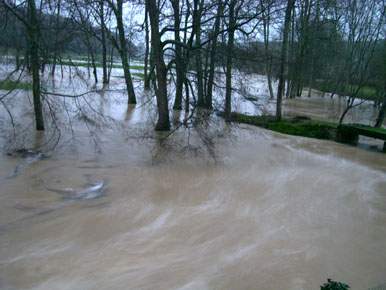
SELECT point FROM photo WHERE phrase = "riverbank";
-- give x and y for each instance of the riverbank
(306, 127)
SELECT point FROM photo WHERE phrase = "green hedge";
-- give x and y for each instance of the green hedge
(296, 126)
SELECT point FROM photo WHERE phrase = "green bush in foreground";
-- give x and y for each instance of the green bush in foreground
(333, 285)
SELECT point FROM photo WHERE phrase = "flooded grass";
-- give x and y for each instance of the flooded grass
(8, 85)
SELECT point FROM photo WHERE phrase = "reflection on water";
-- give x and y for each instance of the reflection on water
(215, 207)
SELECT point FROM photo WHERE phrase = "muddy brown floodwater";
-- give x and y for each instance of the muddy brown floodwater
(261, 211)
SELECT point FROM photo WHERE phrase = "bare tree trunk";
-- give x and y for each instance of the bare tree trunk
(103, 40)
(200, 85)
(268, 58)
(88, 62)
(94, 68)
(283, 59)
(228, 77)
(57, 22)
(187, 96)
(205, 71)
(17, 58)
(91, 56)
(304, 44)
(163, 123)
(381, 114)
(33, 33)
(178, 56)
(382, 110)
(349, 105)
(111, 60)
(123, 52)
(313, 40)
(290, 57)
(27, 56)
(147, 50)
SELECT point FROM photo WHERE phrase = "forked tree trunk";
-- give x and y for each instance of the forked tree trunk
(163, 123)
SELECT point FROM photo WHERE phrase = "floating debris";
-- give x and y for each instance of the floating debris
(91, 191)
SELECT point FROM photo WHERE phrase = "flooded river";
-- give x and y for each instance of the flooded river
(117, 206)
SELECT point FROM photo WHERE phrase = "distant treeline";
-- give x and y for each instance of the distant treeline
(60, 36)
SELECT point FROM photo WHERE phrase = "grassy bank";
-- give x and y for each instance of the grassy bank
(85, 64)
(8, 85)
(305, 127)
(365, 92)
(298, 126)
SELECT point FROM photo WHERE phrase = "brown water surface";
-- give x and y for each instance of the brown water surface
(234, 208)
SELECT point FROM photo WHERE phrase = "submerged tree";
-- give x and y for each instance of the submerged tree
(32, 26)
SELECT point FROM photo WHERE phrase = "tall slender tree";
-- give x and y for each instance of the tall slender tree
(123, 49)
(283, 58)
(229, 55)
